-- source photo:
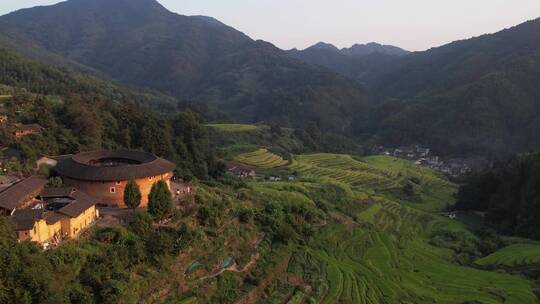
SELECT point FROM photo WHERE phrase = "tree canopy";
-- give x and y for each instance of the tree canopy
(132, 194)
(509, 193)
(160, 200)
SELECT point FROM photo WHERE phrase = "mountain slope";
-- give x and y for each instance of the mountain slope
(139, 42)
(19, 72)
(477, 96)
(360, 61)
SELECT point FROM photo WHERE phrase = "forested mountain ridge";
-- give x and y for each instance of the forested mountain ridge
(19, 72)
(359, 62)
(373, 47)
(195, 58)
(476, 96)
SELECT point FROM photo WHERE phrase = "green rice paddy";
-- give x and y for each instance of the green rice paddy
(380, 174)
(513, 256)
(385, 255)
(389, 260)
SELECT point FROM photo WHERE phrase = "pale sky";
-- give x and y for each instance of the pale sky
(410, 24)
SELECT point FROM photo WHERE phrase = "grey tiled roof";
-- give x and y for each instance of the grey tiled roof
(82, 166)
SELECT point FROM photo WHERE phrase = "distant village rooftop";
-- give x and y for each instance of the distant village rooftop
(113, 166)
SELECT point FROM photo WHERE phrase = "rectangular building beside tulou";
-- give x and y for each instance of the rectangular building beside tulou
(47, 215)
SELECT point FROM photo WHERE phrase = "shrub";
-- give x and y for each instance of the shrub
(141, 224)
(245, 214)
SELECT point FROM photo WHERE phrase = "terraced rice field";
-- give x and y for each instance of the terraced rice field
(262, 158)
(390, 262)
(384, 255)
(342, 168)
(233, 127)
(513, 256)
(378, 173)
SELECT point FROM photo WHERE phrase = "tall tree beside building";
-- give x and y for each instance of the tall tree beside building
(159, 200)
(132, 194)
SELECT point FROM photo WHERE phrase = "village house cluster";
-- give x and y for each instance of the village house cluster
(47, 215)
(18, 130)
(423, 156)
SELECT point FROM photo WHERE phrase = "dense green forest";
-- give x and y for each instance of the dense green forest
(81, 113)
(509, 193)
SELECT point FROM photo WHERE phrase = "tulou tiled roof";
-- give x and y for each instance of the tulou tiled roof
(50, 192)
(79, 205)
(25, 219)
(124, 165)
(23, 191)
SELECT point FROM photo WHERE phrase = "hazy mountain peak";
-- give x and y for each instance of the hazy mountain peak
(324, 46)
(373, 47)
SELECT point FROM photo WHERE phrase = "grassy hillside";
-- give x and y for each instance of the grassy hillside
(513, 256)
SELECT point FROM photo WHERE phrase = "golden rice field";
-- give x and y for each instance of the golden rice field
(233, 127)
(262, 158)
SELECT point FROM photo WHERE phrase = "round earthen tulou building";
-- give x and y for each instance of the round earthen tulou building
(104, 174)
